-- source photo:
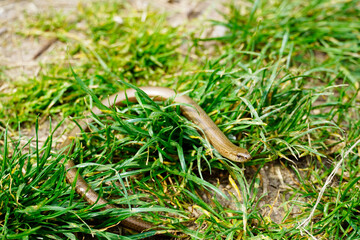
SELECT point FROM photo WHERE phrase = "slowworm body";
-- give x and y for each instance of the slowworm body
(190, 109)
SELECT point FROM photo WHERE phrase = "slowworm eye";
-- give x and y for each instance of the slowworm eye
(240, 157)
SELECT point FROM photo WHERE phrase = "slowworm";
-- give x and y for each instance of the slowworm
(191, 111)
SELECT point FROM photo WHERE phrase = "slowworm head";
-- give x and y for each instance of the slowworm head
(240, 155)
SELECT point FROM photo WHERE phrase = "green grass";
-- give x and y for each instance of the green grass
(283, 83)
(138, 50)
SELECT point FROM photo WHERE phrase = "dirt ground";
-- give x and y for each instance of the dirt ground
(17, 54)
